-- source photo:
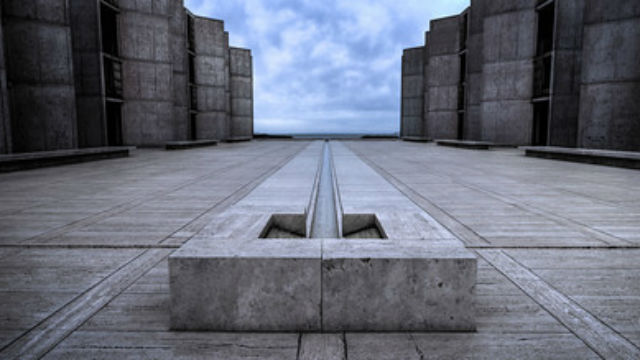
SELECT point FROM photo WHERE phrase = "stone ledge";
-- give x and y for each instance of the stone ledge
(623, 159)
(238, 139)
(466, 144)
(321, 285)
(188, 144)
(415, 139)
(33, 160)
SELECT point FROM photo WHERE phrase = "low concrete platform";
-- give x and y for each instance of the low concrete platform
(239, 139)
(465, 144)
(181, 145)
(26, 161)
(623, 159)
(416, 139)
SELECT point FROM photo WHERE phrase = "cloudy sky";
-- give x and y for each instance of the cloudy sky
(326, 66)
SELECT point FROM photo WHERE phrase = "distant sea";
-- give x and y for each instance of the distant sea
(330, 135)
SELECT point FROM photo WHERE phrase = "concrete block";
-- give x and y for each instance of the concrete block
(211, 125)
(180, 89)
(596, 11)
(412, 61)
(210, 71)
(444, 70)
(611, 51)
(624, 159)
(147, 123)
(148, 81)
(241, 87)
(362, 281)
(211, 98)
(443, 98)
(242, 107)
(504, 6)
(240, 62)
(261, 285)
(52, 11)
(609, 114)
(412, 86)
(156, 7)
(209, 37)
(144, 37)
(443, 125)
(508, 81)
(412, 107)
(242, 126)
(443, 38)
(507, 122)
(47, 117)
(509, 36)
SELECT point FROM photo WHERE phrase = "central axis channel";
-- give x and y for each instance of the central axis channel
(326, 212)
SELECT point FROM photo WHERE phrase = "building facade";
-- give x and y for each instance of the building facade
(90, 73)
(530, 72)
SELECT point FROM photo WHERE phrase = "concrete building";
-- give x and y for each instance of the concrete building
(534, 72)
(91, 73)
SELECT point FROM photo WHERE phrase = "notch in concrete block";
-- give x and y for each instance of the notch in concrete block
(285, 226)
(362, 226)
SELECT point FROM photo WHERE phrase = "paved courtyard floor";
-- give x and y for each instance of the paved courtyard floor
(83, 254)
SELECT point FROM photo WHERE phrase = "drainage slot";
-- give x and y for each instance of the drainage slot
(362, 226)
(285, 226)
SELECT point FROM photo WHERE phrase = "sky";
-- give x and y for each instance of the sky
(326, 66)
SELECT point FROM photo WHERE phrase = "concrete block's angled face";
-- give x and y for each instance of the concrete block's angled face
(509, 36)
(381, 285)
(263, 285)
(144, 37)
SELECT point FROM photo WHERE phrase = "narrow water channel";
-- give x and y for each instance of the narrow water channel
(325, 215)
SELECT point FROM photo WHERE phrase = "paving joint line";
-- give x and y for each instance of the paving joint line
(605, 341)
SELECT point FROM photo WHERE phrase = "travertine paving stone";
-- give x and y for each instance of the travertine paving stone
(462, 183)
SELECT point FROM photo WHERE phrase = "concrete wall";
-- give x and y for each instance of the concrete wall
(40, 74)
(87, 66)
(508, 46)
(241, 84)
(412, 93)
(148, 108)
(565, 99)
(211, 77)
(475, 65)
(610, 91)
(5, 120)
(178, 38)
(443, 78)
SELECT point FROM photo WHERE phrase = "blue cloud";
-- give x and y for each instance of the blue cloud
(326, 66)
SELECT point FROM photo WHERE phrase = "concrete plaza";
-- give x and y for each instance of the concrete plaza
(84, 249)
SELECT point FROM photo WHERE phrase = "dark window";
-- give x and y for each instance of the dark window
(544, 48)
(112, 77)
(194, 129)
(109, 27)
(540, 123)
(114, 123)
(460, 126)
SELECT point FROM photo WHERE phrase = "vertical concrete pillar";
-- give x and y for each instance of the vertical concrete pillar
(475, 63)
(227, 88)
(148, 108)
(178, 38)
(211, 78)
(40, 74)
(412, 92)
(443, 78)
(610, 91)
(5, 121)
(241, 72)
(87, 66)
(565, 83)
(509, 47)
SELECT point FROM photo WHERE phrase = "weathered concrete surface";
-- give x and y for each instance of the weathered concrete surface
(37, 36)
(5, 121)
(625, 159)
(26, 161)
(148, 108)
(241, 85)
(544, 214)
(443, 78)
(411, 114)
(609, 111)
(180, 64)
(508, 48)
(211, 49)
